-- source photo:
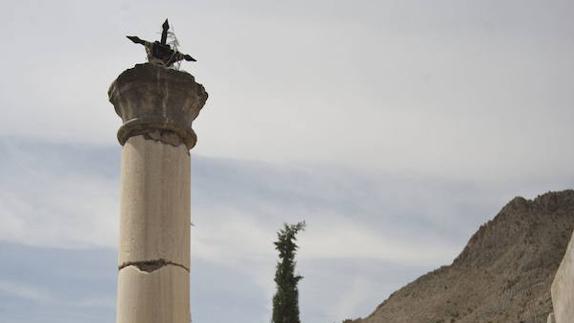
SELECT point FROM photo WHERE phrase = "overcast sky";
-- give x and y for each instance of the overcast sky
(394, 128)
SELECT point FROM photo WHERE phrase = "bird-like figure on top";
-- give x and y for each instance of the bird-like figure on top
(160, 52)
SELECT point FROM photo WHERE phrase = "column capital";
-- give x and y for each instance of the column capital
(157, 102)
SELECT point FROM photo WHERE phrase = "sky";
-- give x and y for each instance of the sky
(393, 128)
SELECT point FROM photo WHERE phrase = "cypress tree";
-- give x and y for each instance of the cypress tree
(286, 299)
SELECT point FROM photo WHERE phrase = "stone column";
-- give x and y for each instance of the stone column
(157, 107)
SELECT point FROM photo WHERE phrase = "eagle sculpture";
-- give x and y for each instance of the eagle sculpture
(160, 52)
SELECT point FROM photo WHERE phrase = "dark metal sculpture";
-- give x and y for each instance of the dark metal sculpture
(160, 52)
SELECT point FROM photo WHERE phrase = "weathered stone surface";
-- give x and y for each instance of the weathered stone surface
(158, 296)
(157, 106)
(550, 318)
(152, 98)
(155, 204)
(563, 287)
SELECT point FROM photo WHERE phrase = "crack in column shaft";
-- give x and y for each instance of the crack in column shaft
(151, 265)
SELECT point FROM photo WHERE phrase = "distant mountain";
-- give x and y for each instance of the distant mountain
(503, 275)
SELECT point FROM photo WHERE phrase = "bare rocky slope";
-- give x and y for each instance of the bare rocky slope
(503, 274)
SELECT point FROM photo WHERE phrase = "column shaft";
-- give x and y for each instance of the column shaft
(154, 253)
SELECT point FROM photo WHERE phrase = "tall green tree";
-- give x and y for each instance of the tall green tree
(286, 299)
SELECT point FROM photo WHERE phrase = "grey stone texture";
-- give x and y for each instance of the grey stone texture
(151, 98)
(563, 287)
(155, 202)
(153, 297)
(550, 318)
(157, 106)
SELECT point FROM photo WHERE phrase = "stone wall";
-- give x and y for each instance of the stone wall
(563, 288)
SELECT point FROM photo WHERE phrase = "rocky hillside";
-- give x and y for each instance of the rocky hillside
(502, 275)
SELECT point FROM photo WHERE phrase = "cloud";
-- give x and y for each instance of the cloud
(35, 294)
(26, 292)
(57, 196)
(354, 297)
(62, 212)
(56, 285)
(457, 90)
(342, 239)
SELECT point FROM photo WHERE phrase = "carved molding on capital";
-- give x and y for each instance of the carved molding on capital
(152, 99)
